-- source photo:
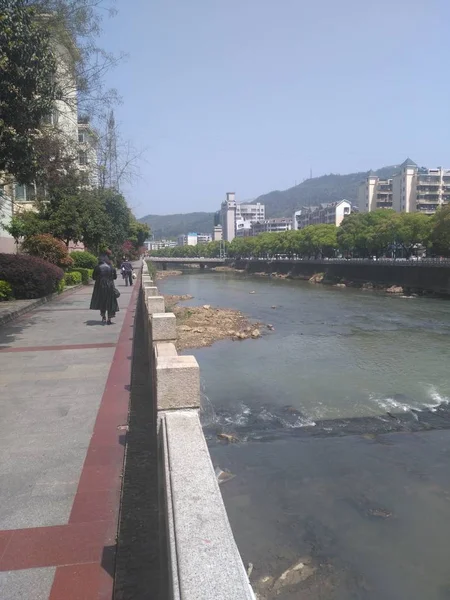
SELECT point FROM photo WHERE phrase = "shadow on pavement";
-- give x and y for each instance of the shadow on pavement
(138, 572)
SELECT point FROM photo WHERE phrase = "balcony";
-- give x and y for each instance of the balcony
(428, 181)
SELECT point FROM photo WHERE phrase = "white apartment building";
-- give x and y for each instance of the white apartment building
(272, 225)
(244, 228)
(228, 217)
(217, 234)
(250, 212)
(332, 213)
(204, 238)
(187, 240)
(159, 244)
(192, 239)
(411, 189)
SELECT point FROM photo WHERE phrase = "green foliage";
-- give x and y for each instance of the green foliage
(413, 229)
(27, 87)
(61, 286)
(6, 292)
(72, 278)
(49, 248)
(16, 228)
(381, 231)
(85, 260)
(440, 234)
(85, 274)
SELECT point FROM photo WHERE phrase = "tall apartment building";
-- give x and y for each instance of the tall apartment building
(228, 217)
(411, 189)
(332, 213)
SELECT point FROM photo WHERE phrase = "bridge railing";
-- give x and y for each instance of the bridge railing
(203, 559)
(159, 259)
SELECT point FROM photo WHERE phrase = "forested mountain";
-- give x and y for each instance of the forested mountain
(327, 188)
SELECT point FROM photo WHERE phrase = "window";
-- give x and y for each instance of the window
(51, 119)
(20, 193)
(82, 158)
(82, 137)
(346, 210)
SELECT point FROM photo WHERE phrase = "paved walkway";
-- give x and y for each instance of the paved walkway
(64, 393)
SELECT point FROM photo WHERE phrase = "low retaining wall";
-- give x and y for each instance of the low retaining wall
(419, 277)
(202, 556)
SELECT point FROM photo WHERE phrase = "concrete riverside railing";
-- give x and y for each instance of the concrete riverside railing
(203, 560)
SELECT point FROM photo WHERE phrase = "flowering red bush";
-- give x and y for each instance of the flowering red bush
(49, 248)
(29, 276)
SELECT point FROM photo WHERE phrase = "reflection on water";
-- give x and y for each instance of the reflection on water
(342, 486)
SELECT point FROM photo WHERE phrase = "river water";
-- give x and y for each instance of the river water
(342, 478)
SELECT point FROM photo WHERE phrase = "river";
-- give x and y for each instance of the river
(342, 478)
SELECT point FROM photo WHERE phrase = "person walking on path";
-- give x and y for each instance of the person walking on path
(105, 294)
(127, 271)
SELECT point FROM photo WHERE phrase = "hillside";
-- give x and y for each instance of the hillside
(170, 226)
(327, 188)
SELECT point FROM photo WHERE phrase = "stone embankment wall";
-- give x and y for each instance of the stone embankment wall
(412, 277)
(202, 556)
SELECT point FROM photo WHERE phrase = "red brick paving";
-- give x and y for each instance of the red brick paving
(60, 347)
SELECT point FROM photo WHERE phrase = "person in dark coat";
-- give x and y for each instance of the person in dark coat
(127, 271)
(104, 296)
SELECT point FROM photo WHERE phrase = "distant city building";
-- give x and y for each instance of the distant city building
(192, 239)
(217, 234)
(271, 226)
(250, 212)
(244, 228)
(159, 244)
(332, 213)
(237, 219)
(413, 189)
(204, 238)
(228, 217)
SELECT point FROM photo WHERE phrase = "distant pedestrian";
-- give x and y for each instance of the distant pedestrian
(105, 294)
(127, 271)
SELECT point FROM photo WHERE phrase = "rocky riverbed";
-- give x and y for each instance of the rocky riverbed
(199, 326)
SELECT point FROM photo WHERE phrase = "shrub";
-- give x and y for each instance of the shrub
(49, 248)
(6, 292)
(86, 274)
(83, 260)
(72, 278)
(29, 276)
(61, 286)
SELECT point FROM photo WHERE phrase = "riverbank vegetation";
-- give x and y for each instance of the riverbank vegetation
(361, 235)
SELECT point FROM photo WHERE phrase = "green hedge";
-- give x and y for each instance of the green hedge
(83, 260)
(61, 286)
(6, 292)
(72, 278)
(86, 274)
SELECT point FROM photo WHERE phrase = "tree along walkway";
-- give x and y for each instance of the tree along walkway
(64, 395)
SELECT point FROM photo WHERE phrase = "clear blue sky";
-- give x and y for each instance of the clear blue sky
(248, 95)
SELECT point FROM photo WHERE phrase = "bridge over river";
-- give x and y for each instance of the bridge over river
(210, 262)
